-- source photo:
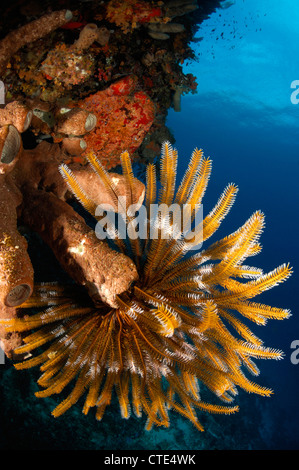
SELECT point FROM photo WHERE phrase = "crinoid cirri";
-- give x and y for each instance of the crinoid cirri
(181, 330)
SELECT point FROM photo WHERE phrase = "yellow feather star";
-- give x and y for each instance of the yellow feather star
(172, 332)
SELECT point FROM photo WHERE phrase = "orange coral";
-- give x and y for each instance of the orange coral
(130, 13)
(67, 66)
(122, 121)
(30, 32)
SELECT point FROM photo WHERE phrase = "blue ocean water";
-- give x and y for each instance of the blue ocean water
(246, 119)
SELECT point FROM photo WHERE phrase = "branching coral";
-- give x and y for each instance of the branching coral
(179, 327)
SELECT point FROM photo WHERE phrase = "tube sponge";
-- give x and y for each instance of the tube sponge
(89, 261)
(29, 33)
(16, 272)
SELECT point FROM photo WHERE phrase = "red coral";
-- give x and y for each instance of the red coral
(129, 14)
(125, 86)
(73, 25)
(192, 82)
(122, 123)
(145, 14)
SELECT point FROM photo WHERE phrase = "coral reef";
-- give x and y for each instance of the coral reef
(71, 65)
(178, 326)
(67, 66)
(130, 14)
(67, 126)
(18, 113)
(89, 261)
(16, 271)
(87, 91)
(111, 46)
(33, 189)
(123, 119)
(30, 33)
